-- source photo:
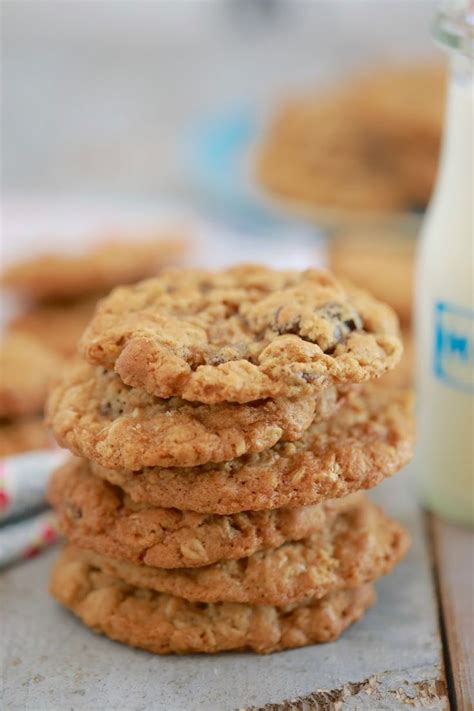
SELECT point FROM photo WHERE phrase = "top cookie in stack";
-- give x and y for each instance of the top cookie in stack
(221, 416)
(241, 335)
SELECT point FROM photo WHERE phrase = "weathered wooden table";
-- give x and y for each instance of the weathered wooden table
(453, 571)
(394, 659)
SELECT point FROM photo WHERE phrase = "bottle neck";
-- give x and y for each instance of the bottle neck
(456, 161)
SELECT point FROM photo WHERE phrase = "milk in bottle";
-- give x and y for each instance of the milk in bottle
(444, 298)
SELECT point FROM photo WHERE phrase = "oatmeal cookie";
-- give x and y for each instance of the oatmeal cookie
(166, 624)
(56, 325)
(371, 437)
(26, 370)
(403, 105)
(94, 514)
(402, 110)
(317, 153)
(353, 548)
(242, 334)
(369, 147)
(23, 435)
(66, 276)
(95, 415)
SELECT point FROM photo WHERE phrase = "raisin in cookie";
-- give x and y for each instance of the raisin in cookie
(165, 624)
(242, 334)
(94, 514)
(351, 549)
(95, 415)
(370, 438)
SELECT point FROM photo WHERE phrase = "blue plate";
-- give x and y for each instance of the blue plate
(217, 160)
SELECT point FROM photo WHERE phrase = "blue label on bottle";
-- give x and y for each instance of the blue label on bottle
(454, 345)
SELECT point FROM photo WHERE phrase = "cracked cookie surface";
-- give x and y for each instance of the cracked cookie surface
(96, 515)
(95, 415)
(369, 438)
(242, 334)
(352, 548)
(166, 624)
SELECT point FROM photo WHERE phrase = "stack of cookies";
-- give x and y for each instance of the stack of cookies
(224, 430)
(58, 293)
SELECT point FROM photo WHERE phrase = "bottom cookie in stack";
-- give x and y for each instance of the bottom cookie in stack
(164, 624)
(308, 587)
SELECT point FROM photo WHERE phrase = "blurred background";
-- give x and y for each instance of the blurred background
(291, 133)
(102, 98)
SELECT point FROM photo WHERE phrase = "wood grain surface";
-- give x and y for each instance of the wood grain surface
(453, 548)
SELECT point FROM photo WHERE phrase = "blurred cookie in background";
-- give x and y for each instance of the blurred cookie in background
(59, 325)
(404, 103)
(22, 435)
(315, 153)
(403, 108)
(27, 368)
(370, 146)
(64, 288)
(58, 294)
(381, 263)
(69, 276)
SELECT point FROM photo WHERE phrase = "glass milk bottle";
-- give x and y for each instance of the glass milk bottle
(444, 297)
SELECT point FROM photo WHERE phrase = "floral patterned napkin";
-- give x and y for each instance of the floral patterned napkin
(26, 526)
